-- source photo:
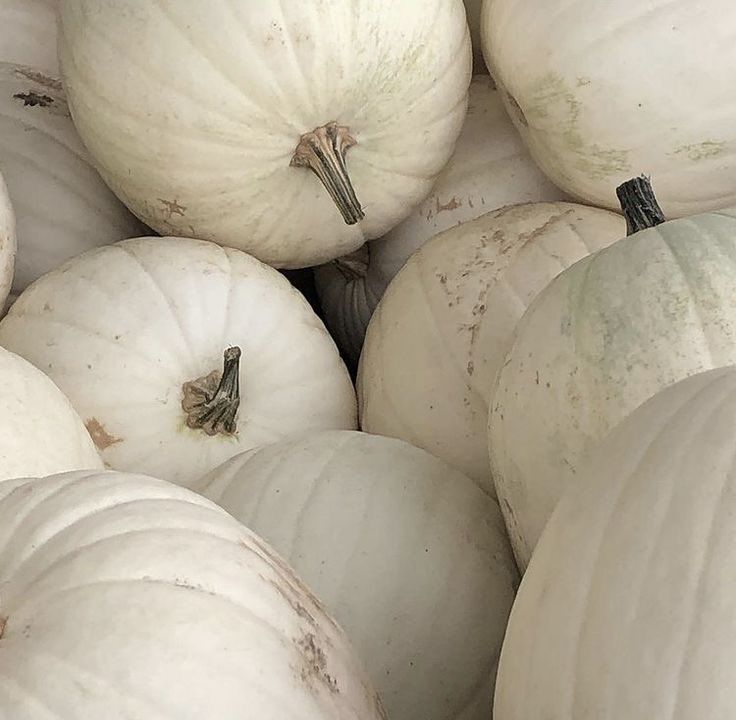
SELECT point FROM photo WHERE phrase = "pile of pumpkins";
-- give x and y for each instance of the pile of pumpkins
(367, 359)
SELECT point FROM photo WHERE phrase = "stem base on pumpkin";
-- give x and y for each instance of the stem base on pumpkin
(323, 152)
(639, 205)
(211, 402)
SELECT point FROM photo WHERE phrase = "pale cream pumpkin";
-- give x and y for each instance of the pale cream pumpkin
(126, 597)
(490, 168)
(602, 338)
(603, 90)
(8, 243)
(627, 607)
(407, 553)
(206, 116)
(441, 331)
(40, 433)
(61, 204)
(180, 354)
(28, 34)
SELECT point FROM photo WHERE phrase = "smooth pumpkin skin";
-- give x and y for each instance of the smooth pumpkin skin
(626, 609)
(205, 151)
(40, 432)
(144, 600)
(62, 206)
(410, 557)
(490, 168)
(440, 334)
(121, 328)
(28, 34)
(602, 91)
(601, 339)
(8, 242)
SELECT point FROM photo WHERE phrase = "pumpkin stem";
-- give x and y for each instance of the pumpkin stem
(355, 265)
(639, 205)
(211, 402)
(323, 152)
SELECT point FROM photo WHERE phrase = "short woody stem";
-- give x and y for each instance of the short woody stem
(323, 152)
(211, 402)
(639, 205)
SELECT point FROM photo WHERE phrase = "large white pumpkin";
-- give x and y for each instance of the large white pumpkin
(407, 553)
(490, 168)
(442, 330)
(28, 33)
(61, 204)
(8, 243)
(627, 607)
(180, 354)
(126, 597)
(603, 90)
(602, 338)
(206, 116)
(40, 433)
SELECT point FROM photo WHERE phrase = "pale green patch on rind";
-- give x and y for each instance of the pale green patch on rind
(702, 151)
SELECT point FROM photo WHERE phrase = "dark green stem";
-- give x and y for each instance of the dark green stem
(639, 205)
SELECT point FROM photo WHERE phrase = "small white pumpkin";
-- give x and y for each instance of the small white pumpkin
(62, 206)
(603, 90)
(40, 433)
(134, 333)
(28, 34)
(407, 553)
(490, 168)
(442, 330)
(8, 243)
(602, 338)
(126, 597)
(627, 608)
(206, 116)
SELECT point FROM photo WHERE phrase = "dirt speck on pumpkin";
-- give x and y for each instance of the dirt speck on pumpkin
(171, 208)
(314, 666)
(34, 99)
(100, 436)
(452, 204)
(3, 623)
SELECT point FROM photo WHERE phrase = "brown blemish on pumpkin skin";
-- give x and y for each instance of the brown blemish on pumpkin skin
(100, 437)
(315, 663)
(452, 204)
(3, 623)
(40, 78)
(34, 99)
(172, 207)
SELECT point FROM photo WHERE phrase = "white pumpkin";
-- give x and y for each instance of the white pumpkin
(626, 610)
(407, 553)
(206, 117)
(40, 433)
(28, 34)
(604, 90)
(126, 597)
(490, 168)
(145, 337)
(8, 243)
(442, 330)
(602, 338)
(61, 204)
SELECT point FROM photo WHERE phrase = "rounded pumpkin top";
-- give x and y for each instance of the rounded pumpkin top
(179, 354)
(631, 584)
(146, 600)
(40, 433)
(440, 333)
(602, 90)
(206, 116)
(407, 553)
(602, 338)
